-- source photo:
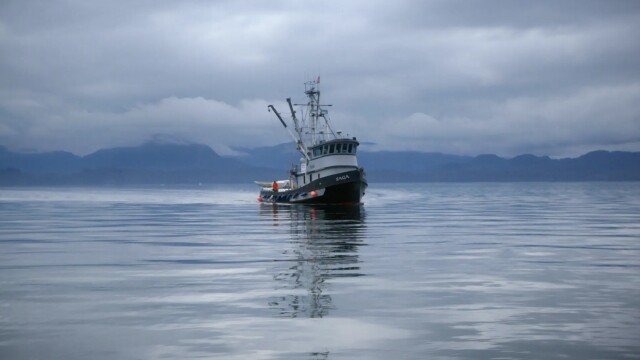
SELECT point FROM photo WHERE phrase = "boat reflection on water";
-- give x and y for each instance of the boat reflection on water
(325, 246)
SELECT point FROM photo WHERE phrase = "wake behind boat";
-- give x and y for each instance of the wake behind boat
(328, 172)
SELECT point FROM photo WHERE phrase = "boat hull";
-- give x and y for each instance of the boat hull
(342, 188)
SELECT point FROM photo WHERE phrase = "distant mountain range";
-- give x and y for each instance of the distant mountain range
(151, 163)
(162, 163)
(411, 166)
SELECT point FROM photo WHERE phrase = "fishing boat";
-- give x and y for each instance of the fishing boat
(328, 172)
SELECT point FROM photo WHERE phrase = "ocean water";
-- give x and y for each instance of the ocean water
(420, 271)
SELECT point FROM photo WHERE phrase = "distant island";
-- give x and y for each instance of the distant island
(164, 163)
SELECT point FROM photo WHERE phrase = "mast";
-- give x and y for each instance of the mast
(310, 123)
(318, 130)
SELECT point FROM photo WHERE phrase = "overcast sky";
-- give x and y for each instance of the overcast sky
(556, 78)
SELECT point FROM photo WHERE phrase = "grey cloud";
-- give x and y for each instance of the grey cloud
(453, 76)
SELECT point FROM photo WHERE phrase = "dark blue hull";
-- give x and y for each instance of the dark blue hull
(343, 188)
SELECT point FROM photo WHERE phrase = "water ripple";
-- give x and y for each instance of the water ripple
(451, 271)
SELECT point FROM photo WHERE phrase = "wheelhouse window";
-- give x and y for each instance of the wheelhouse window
(336, 148)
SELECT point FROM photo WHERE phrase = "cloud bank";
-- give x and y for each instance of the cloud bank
(460, 77)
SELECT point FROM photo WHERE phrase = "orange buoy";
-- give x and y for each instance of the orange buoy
(314, 194)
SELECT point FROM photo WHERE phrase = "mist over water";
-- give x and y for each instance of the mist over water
(448, 271)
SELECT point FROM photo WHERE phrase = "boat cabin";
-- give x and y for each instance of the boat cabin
(325, 159)
(334, 147)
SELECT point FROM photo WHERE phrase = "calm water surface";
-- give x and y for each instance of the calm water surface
(429, 271)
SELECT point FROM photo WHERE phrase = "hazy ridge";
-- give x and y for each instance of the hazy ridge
(165, 163)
